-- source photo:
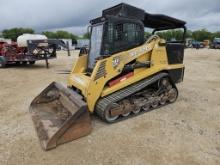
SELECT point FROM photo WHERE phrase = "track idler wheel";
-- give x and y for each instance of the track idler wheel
(126, 114)
(127, 108)
(146, 107)
(172, 95)
(163, 99)
(137, 110)
(109, 117)
(154, 104)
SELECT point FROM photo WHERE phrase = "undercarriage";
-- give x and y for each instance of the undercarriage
(141, 97)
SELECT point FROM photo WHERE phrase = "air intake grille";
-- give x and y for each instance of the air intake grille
(101, 71)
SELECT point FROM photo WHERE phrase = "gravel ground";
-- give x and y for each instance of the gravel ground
(186, 132)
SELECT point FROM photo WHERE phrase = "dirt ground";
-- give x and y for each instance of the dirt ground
(186, 132)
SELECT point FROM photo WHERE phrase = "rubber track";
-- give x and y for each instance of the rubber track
(103, 103)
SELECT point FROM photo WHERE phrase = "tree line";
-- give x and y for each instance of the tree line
(60, 34)
(198, 35)
(15, 32)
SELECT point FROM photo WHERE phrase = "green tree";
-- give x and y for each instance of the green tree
(15, 32)
(147, 34)
(61, 35)
(189, 34)
(215, 34)
(49, 34)
(171, 35)
(86, 35)
(201, 35)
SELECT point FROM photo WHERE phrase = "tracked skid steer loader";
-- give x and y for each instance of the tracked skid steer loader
(122, 75)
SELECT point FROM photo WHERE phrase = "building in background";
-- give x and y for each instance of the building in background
(82, 43)
(69, 43)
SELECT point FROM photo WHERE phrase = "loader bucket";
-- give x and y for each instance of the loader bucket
(59, 115)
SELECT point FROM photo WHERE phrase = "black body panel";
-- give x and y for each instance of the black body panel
(125, 10)
(175, 53)
(155, 21)
(176, 74)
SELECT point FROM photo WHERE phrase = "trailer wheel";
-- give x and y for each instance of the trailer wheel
(24, 62)
(17, 62)
(2, 62)
(31, 62)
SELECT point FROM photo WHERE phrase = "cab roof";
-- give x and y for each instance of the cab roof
(154, 21)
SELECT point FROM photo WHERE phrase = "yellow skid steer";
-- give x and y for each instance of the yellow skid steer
(122, 75)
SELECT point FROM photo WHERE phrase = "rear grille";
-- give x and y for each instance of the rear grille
(101, 71)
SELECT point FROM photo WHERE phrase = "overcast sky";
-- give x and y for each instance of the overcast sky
(74, 16)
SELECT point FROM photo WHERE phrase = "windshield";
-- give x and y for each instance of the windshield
(95, 45)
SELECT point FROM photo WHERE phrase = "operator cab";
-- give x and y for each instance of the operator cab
(122, 27)
(113, 35)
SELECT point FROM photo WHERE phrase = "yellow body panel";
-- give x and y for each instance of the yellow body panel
(80, 65)
(94, 86)
(80, 81)
(136, 78)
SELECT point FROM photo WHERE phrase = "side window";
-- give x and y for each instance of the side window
(130, 34)
(127, 33)
(119, 32)
(110, 33)
(133, 32)
(122, 36)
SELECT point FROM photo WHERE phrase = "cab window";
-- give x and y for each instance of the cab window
(122, 36)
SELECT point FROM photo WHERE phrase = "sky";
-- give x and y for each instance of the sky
(74, 16)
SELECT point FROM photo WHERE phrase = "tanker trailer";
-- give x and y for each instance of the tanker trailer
(29, 48)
